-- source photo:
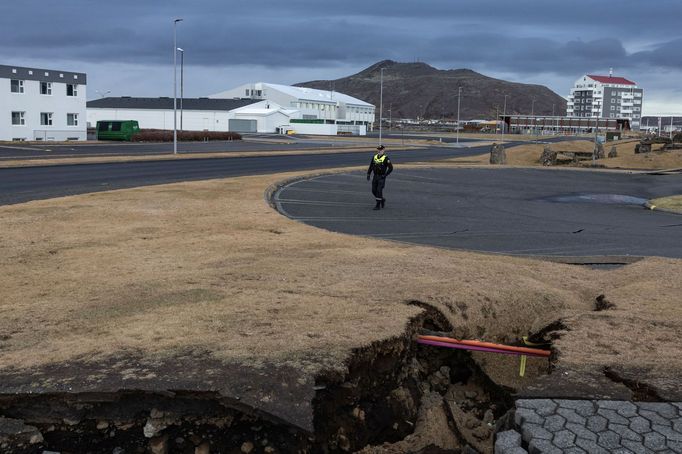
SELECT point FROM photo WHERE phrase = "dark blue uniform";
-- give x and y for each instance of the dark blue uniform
(381, 167)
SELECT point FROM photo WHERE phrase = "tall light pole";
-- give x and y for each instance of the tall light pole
(182, 81)
(459, 102)
(504, 116)
(532, 113)
(175, 85)
(381, 101)
(390, 117)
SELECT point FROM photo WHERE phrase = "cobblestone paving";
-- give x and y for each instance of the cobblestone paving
(593, 426)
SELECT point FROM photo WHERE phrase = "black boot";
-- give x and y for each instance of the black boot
(378, 205)
(383, 203)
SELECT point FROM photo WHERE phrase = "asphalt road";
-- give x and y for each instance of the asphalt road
(33, 151)
(30, 183)
(509, 211)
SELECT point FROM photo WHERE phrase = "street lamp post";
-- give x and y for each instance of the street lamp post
(381, 101)
(182, 81)
(390, 117)
(504, 117)
(459, 102)
(532, 113)
(175, 85)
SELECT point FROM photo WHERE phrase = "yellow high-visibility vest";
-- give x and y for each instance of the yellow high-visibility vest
(379, 160)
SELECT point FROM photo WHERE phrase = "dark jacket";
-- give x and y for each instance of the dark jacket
(380, 167)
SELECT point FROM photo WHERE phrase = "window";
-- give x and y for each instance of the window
(612, 115)
(636, 109)
(116, 126)
(71, 119)
(45, 88)
(46, 118)
(246, 92)
(17, 86)
(71, 90)
(18, 118)
(613, 107)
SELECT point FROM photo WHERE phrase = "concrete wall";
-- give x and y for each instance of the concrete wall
(32, 103)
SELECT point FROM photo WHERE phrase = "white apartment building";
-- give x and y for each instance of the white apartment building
(349, 114)
(42, 104)
(606, 97)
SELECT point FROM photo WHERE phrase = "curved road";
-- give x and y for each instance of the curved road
(22, 184)
(509, 211)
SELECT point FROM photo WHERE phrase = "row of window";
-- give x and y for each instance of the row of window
(636, 109)
(17, 86)
(19, 119)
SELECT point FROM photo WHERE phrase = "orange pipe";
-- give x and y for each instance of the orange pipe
(510, 348)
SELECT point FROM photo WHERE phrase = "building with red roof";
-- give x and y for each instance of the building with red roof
(609, 96)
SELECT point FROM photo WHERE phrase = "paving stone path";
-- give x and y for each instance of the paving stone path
(592, 426)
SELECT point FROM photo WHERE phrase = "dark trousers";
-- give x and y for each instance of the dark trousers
(378, 187)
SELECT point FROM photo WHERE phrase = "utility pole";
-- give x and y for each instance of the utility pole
(175, 86)
(596, 131)
(390, 116)
(504, 117)
(182, 82)
(459, 101)
(532, 113)
(672, 117)
(381, 101)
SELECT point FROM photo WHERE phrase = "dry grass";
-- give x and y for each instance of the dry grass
(672, 203)
(656, 160)
(210, 267)
(529, 155)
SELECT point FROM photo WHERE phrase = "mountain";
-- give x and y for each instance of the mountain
(414, 90)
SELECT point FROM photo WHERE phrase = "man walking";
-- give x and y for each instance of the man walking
(382, 167)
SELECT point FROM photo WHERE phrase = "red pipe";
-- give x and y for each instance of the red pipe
(472, 347)
(474, 343)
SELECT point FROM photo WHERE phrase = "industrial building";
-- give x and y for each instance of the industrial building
(606, 97)
(543, 124)
(258, 108)
(340, 113)
(197, 114)
(42, 104)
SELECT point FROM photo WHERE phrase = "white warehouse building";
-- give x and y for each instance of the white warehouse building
(340, 113)
(42, 104)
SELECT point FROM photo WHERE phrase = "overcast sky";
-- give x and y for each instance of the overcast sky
(125, 46)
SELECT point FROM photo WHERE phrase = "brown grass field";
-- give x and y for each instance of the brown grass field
(529, 155)
(211, 267)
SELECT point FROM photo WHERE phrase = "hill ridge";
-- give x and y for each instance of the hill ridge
(417, 89)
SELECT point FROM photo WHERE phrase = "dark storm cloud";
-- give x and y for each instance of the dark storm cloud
(523, 36)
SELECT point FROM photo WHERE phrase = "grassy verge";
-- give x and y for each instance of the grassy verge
(211, 267)
(672, 203)
(529, 155)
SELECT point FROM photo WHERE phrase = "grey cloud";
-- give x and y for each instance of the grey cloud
(568, 37)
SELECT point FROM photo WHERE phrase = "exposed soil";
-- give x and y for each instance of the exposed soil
(396, 397)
